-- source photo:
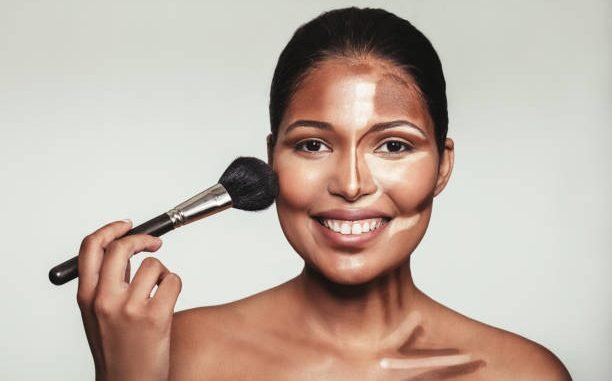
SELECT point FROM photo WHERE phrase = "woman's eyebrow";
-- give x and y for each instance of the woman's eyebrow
(309, 123)
(396, 123)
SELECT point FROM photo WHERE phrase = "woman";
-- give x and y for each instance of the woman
(359, 121)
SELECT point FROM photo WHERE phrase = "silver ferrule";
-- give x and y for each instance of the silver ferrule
(204, 204)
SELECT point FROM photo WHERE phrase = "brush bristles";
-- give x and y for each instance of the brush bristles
(251, 183)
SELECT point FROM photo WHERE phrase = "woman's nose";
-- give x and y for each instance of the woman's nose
(351, 178)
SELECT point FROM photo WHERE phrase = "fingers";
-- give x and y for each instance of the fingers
(104, 269)
(114, 266)
(150, 273)
(164, 300)
(91, 256)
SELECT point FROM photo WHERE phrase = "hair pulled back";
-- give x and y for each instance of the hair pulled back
(360, 33)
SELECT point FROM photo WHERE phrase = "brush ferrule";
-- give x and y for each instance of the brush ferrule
(203, 204)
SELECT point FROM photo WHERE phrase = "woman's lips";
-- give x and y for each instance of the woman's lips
(352, 227)
(350, 234)
(351, 214)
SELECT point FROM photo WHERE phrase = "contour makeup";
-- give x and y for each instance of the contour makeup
(355, 137)
(426, 362)
(418, 360)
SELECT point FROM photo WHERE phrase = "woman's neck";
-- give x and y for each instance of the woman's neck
(368, 316)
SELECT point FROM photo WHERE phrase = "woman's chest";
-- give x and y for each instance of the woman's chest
(307, 364)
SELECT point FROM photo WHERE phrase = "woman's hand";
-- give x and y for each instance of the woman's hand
(128, 331)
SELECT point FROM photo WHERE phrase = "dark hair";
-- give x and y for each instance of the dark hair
(356, 33)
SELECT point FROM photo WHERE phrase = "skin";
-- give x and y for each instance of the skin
(354, 311)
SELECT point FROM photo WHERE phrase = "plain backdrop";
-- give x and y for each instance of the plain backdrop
(115, 109)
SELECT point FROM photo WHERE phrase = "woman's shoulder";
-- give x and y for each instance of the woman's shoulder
(525, 359)
(510, 356)
(196, 335)
(218, 319)
(206, 340)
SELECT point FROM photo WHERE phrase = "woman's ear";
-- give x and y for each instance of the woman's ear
(445, 166)
(270, 145)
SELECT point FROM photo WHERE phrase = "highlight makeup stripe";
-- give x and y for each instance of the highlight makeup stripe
(439, 361)
(403, 223)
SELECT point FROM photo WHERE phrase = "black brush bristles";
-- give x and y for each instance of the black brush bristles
(251, 183)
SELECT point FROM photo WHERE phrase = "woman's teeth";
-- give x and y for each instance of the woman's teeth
(353, 227)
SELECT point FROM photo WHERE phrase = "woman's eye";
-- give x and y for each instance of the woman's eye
(394, 146)
(311, 146)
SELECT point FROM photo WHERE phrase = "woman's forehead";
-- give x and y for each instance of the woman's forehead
(350, 92)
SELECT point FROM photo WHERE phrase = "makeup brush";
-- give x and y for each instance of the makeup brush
(248, 184)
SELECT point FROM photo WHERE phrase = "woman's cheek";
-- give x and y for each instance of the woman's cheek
(409, 184)
(409, 181)
(300, 181)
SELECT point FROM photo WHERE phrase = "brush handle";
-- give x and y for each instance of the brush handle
(67, 271)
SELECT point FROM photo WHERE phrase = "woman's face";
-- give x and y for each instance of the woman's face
(358, 168)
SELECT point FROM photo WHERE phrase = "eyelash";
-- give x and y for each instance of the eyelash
(301, 146)
(406, 147)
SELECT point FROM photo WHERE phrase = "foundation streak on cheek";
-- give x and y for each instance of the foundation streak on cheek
(403, 223)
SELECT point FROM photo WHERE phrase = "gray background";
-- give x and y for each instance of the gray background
(114, 109)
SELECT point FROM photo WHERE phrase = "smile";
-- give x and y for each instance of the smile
(348, 227)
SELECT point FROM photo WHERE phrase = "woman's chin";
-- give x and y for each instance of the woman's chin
(349, 271)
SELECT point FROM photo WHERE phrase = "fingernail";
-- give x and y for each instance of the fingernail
(127, 220)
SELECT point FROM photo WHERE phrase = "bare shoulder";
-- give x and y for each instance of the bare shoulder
(194, 334)
(514, 357)
(505, 355)
(205, 341)
(527, 360)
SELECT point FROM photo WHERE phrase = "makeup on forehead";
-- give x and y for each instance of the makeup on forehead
(388, 82)
(374, 86)
(395, 92)
(377, 127)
